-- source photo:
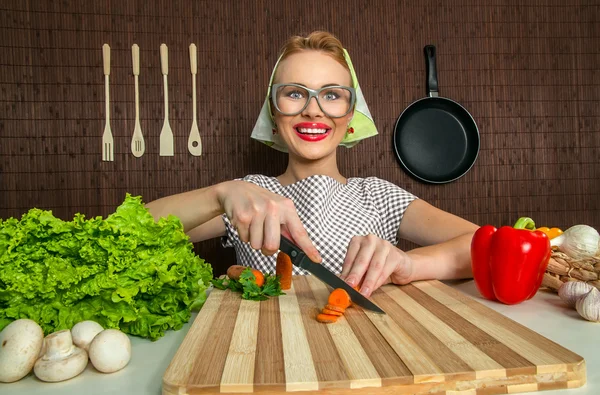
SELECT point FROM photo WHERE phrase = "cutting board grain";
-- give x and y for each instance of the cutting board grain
(433, 340)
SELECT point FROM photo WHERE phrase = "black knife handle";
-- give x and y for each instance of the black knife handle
(294, 252)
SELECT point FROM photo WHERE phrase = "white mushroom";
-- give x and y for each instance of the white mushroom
(84, 332)
(62, 360)
(110, 351)
(20, 344)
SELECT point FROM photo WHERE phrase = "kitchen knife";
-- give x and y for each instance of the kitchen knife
(300, 260)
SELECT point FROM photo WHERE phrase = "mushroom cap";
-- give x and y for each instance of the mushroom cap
(20, 344)
(62, 359)
(84, 332)
(110, 351)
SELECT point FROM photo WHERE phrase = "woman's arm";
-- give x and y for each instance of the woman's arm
(372, 261)
(193, 208)
(258, 214)
(213, 228)
(425, 224)
(446, 241)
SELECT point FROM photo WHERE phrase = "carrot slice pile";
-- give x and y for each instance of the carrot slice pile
(332, 312)
(339, 297)
(336, 306)
(326, 318)
(339, 309)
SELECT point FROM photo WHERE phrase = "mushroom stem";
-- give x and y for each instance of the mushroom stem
(58, 344)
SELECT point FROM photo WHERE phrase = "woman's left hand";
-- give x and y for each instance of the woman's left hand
(372, 262)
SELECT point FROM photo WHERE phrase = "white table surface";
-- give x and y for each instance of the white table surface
(545, 314)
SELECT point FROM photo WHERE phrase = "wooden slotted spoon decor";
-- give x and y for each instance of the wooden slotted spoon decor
(137, 141)
(194, 142)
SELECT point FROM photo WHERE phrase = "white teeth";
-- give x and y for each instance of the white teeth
(311, 131)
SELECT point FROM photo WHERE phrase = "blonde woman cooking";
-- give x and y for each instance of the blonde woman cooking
(351, 225)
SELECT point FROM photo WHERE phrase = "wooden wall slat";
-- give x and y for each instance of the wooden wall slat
(529, 72)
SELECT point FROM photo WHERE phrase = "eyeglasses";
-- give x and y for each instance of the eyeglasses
(291, 99)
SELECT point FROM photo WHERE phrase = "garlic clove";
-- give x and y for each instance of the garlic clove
(588, 306)
(570, 291)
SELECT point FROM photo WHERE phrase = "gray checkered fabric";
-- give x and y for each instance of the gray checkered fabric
(332, 214)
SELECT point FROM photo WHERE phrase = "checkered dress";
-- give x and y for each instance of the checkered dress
(332, 213)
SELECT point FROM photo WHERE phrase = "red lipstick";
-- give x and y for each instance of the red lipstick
(312, 131)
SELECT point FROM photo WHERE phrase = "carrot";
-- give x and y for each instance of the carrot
(283, 270)
(332, 312)
(339, 297)
(339, 309)
(326, 318)
(260, 278)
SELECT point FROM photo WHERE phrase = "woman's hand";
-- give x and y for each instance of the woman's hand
(372, 262)
(260, 216)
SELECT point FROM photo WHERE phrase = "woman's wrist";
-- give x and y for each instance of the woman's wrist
(220, 192)
(444, 261)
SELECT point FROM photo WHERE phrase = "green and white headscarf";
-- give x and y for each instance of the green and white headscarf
(361, 126)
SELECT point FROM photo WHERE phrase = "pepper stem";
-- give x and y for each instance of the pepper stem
(525, 223)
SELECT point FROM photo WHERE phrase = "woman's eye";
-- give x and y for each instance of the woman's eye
(331, 95)
(295, 95)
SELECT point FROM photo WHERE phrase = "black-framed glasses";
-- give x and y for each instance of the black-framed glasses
(291, 99)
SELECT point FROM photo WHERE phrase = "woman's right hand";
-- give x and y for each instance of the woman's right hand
(260, 216)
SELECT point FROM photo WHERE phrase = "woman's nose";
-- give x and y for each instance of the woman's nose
(313, 109)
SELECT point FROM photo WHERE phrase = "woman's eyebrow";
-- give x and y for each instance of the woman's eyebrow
(323, 86)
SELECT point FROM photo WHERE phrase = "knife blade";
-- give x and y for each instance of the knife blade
(299, 259)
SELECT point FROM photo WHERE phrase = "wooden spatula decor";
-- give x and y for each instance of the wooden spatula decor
(166, 134)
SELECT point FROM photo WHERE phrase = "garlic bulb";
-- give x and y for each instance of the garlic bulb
(570, 291)
(588, 306)
(578, 242)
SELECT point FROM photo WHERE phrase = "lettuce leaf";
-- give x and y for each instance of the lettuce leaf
(126, 272)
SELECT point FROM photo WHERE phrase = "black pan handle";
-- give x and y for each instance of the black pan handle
(432, 80)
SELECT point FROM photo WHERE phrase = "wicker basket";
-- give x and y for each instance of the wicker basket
(563, 268)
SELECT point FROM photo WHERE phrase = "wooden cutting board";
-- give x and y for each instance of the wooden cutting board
(433, 340)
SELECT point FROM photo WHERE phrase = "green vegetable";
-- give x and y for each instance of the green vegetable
(247, 286)
(125, 272)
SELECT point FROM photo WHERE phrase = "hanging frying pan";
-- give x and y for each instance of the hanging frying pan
(436, 140)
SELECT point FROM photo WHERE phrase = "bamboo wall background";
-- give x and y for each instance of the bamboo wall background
(528, 71)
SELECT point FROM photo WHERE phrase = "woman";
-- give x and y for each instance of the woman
(314, 104)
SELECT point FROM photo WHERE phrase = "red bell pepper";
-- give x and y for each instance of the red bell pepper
(509, 263)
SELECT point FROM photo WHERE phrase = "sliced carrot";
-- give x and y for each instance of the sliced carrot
(283, 270)
(326, 318)
(260, 278)
(339, 297)
(332, 312)
(339, 309)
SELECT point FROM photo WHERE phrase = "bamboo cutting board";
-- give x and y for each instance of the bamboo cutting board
(433, 340)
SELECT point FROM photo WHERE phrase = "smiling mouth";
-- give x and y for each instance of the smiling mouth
(311, 131)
